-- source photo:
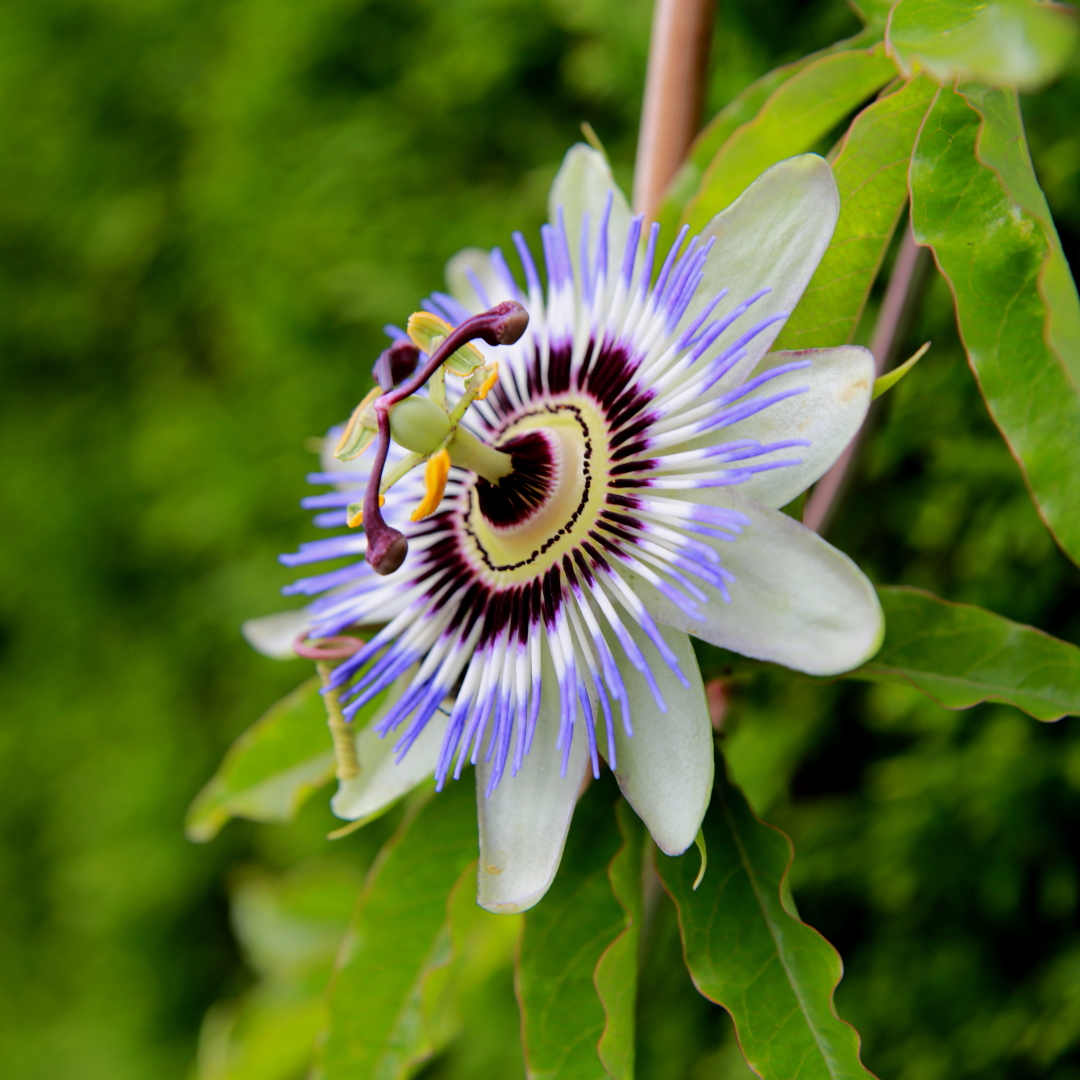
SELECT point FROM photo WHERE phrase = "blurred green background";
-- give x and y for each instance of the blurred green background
(207, 212)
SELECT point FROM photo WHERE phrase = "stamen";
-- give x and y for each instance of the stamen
(356, 516)
(428, 332)
(489, 382)
(436, 471)
(358, 434)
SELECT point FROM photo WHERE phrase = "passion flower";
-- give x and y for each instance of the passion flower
(604, 460)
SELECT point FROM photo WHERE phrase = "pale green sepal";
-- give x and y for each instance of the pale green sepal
(383, 780)
(665, 770)
(828, 414)
(891, 378)
(771, 237)
(704, 852)
(581, 187)
(795, 601)
(273, 635)
(524, 822)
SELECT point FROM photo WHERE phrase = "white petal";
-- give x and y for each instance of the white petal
(796, 600)
(524, 822)
(458, 281)
(581, 187)
(772, 236)
(383, 780)
(273, 635)
(666, 769)
(828, 413)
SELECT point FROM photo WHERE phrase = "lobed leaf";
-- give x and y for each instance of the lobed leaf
(976, 203)
(803, 108)
(398, 936)
(960, 655)
(747, 951)
(1022, 43)
(271, 769)
(871, 169)
(577, 962)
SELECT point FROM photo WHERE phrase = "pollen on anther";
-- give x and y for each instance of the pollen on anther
(356, 518)
(489, 382)
(436, 471)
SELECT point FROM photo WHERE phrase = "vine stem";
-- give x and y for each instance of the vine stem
(822, 503)
(674, 95)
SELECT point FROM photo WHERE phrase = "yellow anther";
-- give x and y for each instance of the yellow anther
(359, 431)
(489, 382)
(356, 513)
(435, 473)
(427, 332)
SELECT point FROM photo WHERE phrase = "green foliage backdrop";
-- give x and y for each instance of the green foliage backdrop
(207, 212)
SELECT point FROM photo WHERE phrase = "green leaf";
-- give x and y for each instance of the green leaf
(267, 1036)
(976, 202)
(293, 922)
(397, 937)
(873, 12)
(960, 655)
(747, 950)
(479, 943)
(616, 971)
(801, 110)
(743, 108)
(271, 770)
(1003, 147)
(871, 170)
(289, 927)
(579, 943)
(1022, 43)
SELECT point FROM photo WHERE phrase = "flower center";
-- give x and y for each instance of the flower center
(535, 468)
(531, 518)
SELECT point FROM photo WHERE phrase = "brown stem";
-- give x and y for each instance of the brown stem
(674, 93)
(821, 505)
